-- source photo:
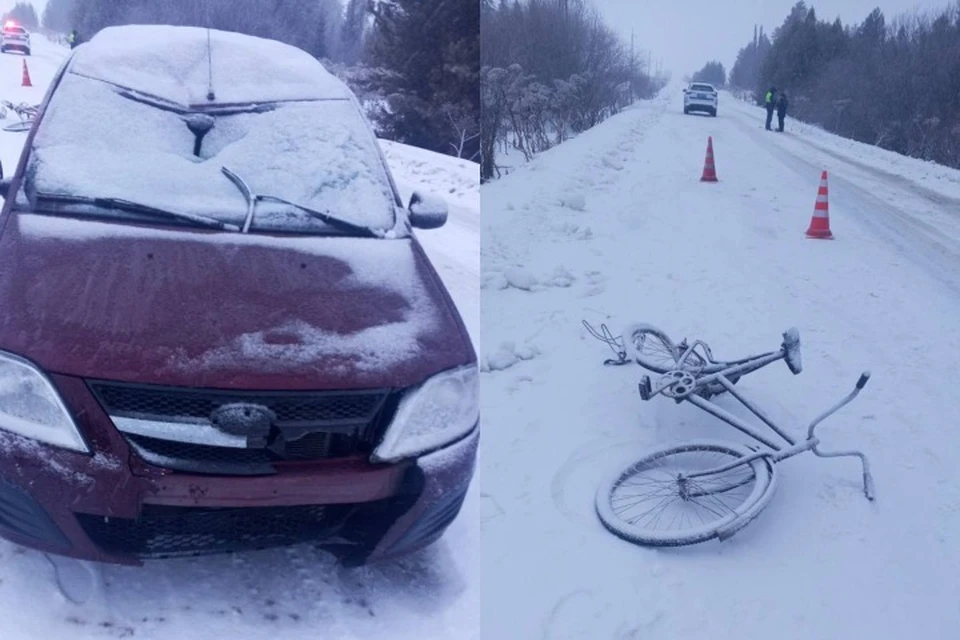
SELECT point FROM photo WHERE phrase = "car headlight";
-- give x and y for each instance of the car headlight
(440, 411)
(31, 407)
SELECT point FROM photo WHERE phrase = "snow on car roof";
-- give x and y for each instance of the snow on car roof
(172, 62)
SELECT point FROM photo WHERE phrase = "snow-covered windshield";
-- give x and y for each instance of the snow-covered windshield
(99, 139)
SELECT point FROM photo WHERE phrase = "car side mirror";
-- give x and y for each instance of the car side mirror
(427, 212)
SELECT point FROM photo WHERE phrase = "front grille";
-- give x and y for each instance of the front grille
(165, 532)
(308, 426)
(180, 404)
(199, 458)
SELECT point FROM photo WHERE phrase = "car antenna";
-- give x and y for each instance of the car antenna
(211, 96)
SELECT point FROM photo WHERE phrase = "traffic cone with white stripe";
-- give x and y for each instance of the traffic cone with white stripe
(709, 170)
(820, 223)
(25, 82)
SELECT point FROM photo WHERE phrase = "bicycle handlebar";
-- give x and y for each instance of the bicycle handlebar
(861, 383)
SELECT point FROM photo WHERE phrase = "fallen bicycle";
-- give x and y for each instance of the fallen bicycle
(693, 492)
(26, 112)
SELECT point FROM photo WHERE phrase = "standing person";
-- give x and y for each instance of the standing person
(769, 102)
(72, 39)
(781, 110)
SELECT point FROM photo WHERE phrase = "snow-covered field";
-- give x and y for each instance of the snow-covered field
(295, 593)
(614, 226)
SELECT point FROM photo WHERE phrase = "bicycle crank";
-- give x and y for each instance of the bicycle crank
(677, 384)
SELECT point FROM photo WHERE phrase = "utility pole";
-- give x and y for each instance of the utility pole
(633, 70)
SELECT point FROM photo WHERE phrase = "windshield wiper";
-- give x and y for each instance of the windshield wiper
(119, 204)
(252, 200)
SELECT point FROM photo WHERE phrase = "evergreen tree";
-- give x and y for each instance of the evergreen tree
(894, 85)
(712, 73)
(57, 15)
(352, 31)
(430, 50)
(24, 14)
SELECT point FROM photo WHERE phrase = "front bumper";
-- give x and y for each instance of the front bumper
(111, 507)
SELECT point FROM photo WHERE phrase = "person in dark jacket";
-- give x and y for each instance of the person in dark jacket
(782, 104)
(769, 102)
(73, 39)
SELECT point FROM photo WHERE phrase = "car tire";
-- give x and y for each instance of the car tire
(714, 113)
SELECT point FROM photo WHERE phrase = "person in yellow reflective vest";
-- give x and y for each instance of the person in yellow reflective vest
(770, 102)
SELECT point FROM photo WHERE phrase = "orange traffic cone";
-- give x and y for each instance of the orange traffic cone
(709, 170)
(820, 223)
(26, 76)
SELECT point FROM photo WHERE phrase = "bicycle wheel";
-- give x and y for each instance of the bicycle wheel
(648, 504)
(651, 348)
(19, 127)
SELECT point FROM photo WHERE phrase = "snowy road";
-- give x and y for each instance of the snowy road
(289, 594)
(728, 263)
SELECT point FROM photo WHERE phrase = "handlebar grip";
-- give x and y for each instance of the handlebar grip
(862, 382)
(868, 485)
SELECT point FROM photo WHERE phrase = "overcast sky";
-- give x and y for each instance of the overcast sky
(686, 34)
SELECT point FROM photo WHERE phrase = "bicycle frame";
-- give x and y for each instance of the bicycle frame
(689, 393)
(682, 385)
(713, 365)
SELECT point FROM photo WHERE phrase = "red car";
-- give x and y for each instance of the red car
(218, 331)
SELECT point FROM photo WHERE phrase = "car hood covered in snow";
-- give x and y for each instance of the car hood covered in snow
(223, 310)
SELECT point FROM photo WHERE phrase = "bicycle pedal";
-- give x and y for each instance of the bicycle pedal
(645, 387)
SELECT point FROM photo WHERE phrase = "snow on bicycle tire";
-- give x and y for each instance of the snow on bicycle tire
(633, 503)
(651, 347)
(19, 127)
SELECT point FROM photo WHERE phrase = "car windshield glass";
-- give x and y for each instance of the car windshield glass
(98, 140)
(702, 87)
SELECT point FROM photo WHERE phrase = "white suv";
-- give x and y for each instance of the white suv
(700, 96)
(13, 36)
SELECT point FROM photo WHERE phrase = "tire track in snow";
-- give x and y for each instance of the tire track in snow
(928, 247)
(901, 182)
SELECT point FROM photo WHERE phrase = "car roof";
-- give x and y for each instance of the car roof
(171, 62)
